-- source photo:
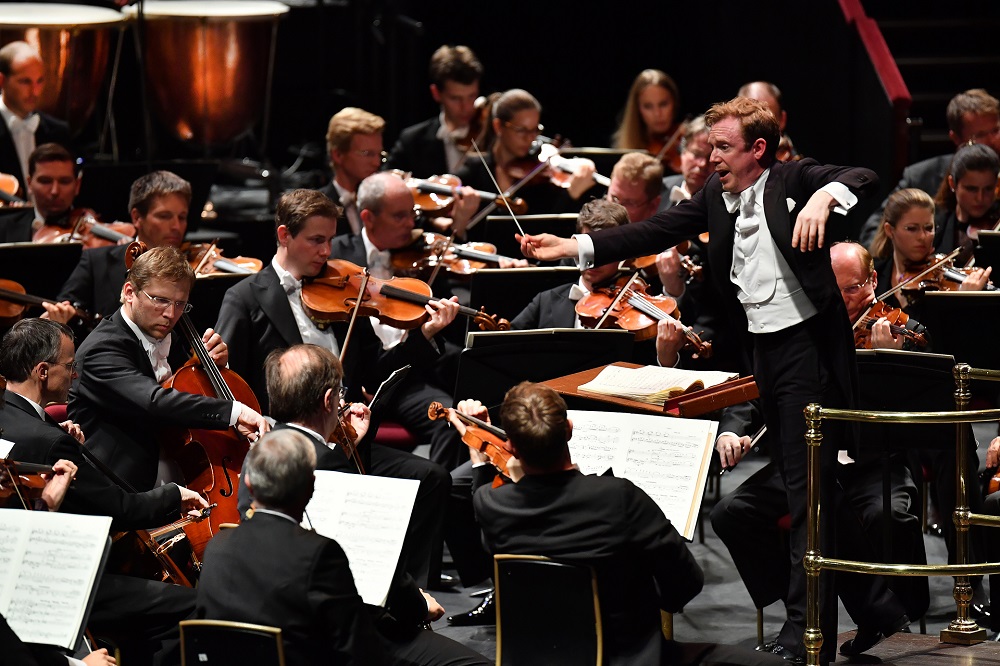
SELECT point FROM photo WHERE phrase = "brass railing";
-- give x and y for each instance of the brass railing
(962, 630)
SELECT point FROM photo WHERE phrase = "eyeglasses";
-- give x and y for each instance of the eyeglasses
(628, 203)
(698, 155)
(524, 131)
(855, 288)
(161, 303)
(382, 155)
(71, 366)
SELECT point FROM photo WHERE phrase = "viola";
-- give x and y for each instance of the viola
(333, 296)
(667, 149)
(434, 196)
(21, 483)
(897, 325)
(14, 300)
(346, 437)
(626, 305)
(478, 435)
(82, 225)
(210, 460)
(431, 249)
(206, 259)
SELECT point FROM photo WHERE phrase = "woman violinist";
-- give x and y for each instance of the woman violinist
(649, 121)
(514, 127)
(967, 199)
(903, 247)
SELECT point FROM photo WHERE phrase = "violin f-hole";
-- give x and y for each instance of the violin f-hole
(226, 462)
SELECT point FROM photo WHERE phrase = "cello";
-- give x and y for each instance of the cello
(210, 460)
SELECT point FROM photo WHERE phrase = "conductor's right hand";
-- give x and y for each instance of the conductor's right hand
(251, 424)
(731, 449)
(546, 247)
(191, 502)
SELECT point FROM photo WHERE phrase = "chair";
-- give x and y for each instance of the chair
(547, 612)
(222, 643)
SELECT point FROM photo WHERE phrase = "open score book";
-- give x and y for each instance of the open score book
(652, 384)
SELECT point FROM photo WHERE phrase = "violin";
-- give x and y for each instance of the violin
(206, 259)
(434, 196)
(21, 483)
(667, 149)
(14, 300)
(477, 125)
(694, 270)
(938, 273)
(82, 225)
(630, 308)
(431, 249)
(346, 436)
(897, 325)
(147, 553)
(210, 460)
(398, 302)
(478, 435)
(551, 166)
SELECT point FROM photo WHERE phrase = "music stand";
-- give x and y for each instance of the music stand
(500, 230)
(506, 291)
(206, 297)
(963, 323)
(495, 361)
(105, 187)
(988, 251)
(23, 262)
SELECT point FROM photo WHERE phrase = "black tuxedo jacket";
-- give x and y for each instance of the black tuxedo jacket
(50, 130)
(548, 309)
(270, 571)
(15, 224)
(419, 151)
(122, 408)
(343, 226)
(92, 493)
(641, 561)
(256, 318)
(96, 282)
(707, 212)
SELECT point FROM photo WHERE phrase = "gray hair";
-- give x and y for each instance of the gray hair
(279, 468)
(371, 191)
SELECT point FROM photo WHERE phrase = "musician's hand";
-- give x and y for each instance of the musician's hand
(506, 262)
(217, 349)
(810, 225)
(669, 340)
(465, 205)
(883, 337)
(546, 247)
(442, 313)
(473, 408)
(60, 312)
(191, 502)
(251, 424)
(993, 453)
(435, 611)
(668, 266)
(74, 431)
(57, 483)
(99, 657)
(360, 418)
(731, 449)
(976, 280)
(583, 179)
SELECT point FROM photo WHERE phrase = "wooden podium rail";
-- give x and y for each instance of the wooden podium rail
(687, 405)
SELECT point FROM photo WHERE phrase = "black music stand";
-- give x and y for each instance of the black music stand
(497, 360)
(105, 187)
(41, 268)
(500, 230)
(206, 297)
(964, 324)
(506, 291)
(988, 251)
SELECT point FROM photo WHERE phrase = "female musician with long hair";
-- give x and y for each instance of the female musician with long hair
(649, 119)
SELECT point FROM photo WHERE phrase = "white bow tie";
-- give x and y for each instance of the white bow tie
(29, 124)
(576, 292)
(162, 348)
(348, 199)
(289, 284)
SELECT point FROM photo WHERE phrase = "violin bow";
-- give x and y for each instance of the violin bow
(753, 448)
(511, 191)
(206, 256)
(618, 299)
(351, 450)
(930, 269)
(673, 139)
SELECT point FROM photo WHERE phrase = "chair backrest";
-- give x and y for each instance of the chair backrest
(547, 612)
(222, 643)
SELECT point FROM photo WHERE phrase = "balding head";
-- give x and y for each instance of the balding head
(22, 78)
(298, 381)
(770, 94)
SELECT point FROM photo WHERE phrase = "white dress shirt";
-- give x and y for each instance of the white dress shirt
(454, 154)
(349, 201)
(380, 266)
(311, 334)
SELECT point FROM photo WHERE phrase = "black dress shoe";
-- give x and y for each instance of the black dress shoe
(483, 614)
(774, 647)
(868, 637)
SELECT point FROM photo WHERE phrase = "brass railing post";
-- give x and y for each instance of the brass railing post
(963, 630)
(813, 637)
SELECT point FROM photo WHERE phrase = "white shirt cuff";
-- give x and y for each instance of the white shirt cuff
(75, 662)
(234, 417)
(585, 256)
(845, 198)
(723, 434)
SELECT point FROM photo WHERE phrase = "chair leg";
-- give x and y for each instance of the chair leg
(760, 626)
(923, 624)
(924, 498)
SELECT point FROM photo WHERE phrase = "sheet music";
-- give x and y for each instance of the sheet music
(368, 516)
(668, 458)
(48, 565)
(651, 381)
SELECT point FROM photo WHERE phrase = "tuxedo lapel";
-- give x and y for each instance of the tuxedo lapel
(17, 402)
(274, 302)
(127, 337)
